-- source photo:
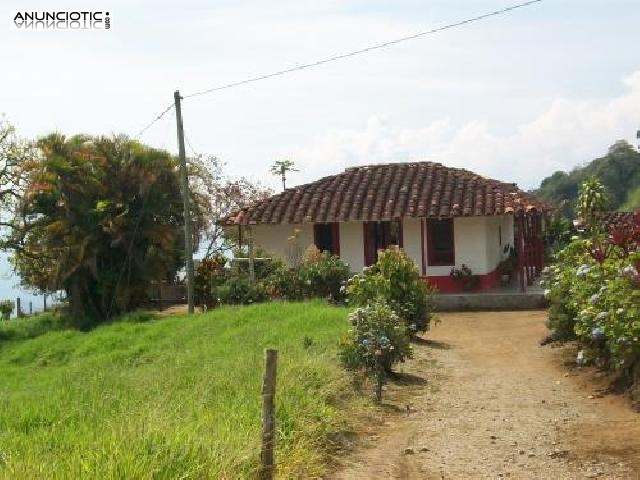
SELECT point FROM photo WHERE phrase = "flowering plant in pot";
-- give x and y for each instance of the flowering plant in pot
(507, 265)
(464, 277)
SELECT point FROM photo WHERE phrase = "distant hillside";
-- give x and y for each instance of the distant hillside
(618, 170)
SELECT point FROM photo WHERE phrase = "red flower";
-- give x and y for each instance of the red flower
(621, 236)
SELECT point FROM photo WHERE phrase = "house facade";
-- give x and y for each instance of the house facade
(442, 217)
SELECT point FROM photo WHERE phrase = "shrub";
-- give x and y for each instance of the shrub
(240, 290)
(6, 307)
(377, 340)
(321, 275)
(395, 279)
(559, 279)
(209, 275)
(286, 284)
(324, 276)
(262, 268)
(594, 290)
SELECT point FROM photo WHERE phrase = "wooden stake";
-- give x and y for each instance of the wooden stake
(268, 414)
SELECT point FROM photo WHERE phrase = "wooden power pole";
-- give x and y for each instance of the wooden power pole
(184, 177)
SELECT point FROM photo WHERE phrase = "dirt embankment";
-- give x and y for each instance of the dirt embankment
(486, 401)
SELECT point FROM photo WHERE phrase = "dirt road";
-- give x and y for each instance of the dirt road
(497, 405)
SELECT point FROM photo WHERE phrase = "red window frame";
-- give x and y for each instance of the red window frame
(371, 245)
(432, 258)
(335, 236)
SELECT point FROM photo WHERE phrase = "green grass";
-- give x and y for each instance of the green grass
(176, 397)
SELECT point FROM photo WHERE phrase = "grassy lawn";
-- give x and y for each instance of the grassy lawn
(175, 397)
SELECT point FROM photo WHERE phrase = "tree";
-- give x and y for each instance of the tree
(100, 218)
(13, 152)
(281, 167)
(592, 200)
(618, 170)
(222, 196)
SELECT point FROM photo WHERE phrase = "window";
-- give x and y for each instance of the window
(440, 249)
(326, 237)
(378, 236)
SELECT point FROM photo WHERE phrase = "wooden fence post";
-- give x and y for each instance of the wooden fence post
(30, 308)
(268, 414)
(18, 308)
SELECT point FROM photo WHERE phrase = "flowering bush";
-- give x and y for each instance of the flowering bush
(320, 275)
(209, 275)
(394, 279)
(240, 290)
(324, 275)
(594, 293)
(376, 341)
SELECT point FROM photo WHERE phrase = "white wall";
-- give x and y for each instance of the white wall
(412, 240)
(476, 242)
(352, 245)
(275, 239)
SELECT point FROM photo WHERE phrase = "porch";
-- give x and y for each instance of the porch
(507, 297)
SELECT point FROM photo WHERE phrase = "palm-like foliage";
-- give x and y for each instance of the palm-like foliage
(281, 167)
(100, 218)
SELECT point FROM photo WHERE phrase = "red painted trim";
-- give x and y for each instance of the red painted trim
(446, 284)
(430, 252)
(422, 246)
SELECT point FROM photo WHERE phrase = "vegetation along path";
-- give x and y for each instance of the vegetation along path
(497, 405)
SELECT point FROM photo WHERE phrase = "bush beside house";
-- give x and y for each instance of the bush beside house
(594, 292)
(393, 303)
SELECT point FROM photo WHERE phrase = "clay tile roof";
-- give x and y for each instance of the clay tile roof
(387, 192)
(614, 218)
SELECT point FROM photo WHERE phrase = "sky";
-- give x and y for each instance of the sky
(514, 97)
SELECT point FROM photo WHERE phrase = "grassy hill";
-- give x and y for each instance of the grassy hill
(176, 397)
(618, 170)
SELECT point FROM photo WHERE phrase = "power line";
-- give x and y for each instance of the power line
(156, 118)
(193, 150)
(363, 50)
(341, 57)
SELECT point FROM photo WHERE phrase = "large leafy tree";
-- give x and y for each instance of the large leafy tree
(100, 218)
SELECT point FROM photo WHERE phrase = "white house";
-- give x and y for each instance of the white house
(442, 217)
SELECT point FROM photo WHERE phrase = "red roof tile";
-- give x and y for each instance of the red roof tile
(614, 218)
(386, 192)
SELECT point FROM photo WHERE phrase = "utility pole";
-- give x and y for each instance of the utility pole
(184, 177)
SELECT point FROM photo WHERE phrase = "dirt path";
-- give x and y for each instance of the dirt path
(497, 405)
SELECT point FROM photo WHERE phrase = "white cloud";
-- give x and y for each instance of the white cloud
(567, 133)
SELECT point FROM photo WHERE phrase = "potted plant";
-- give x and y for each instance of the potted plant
(507, 265)
(464, 277)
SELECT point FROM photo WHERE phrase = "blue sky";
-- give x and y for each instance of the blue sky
(551, 84)
(514, 97)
